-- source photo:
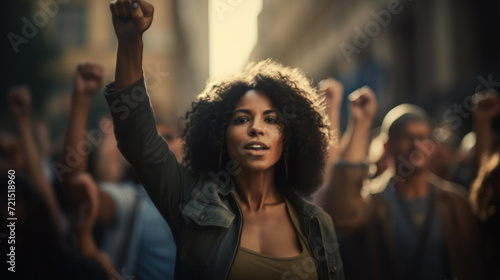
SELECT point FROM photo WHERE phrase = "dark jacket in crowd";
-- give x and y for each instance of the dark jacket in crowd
(364, 217)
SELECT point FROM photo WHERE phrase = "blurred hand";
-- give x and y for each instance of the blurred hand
(88, 79)
(487, 106)
(15, 154)
(332, 91)
(131, 18)
(86, 200)
(20, 101)
(363, 105)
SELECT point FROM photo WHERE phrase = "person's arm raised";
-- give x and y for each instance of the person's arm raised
(167, 182)
(332, 92)
(130, 20)
(487, 108)
(363, 109)
(343, 200)
(87, 81)
(20, 102)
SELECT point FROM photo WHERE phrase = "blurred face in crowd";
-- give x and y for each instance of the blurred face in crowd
(411, 145)
(254, 137)
(171, 134)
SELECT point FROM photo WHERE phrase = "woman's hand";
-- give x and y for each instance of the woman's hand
(131, 18)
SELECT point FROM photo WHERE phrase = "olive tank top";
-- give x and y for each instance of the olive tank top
(253, 265)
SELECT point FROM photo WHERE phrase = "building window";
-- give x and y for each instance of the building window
(72, 25)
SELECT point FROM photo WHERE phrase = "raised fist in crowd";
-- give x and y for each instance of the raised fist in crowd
(363, 105)
(333, 91)
(131, 18)
(88, 79)
(487, 106)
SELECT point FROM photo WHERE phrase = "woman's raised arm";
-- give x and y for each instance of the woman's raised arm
(130, 20)
(166, 181)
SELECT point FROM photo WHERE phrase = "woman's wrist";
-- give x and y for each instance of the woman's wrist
(128, 63)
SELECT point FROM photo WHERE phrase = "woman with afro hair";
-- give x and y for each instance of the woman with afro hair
(255, 148)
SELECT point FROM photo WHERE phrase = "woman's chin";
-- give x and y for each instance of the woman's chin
(256, 166)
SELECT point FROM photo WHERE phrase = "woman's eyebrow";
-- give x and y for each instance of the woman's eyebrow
(246, 111)
(270, 111)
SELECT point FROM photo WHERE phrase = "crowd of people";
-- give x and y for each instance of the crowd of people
(260, 182)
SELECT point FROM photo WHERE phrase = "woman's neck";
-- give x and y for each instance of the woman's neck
(257, 189)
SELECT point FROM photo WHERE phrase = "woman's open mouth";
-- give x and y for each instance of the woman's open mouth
(256, 148)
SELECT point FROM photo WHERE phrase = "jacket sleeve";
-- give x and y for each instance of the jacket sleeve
(167, 181)
(349, 210)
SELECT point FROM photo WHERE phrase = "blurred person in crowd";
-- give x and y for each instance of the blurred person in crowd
(485, 190)
(108, 162)
(464, 172)
(254, 147)
(135, 235)
(40, 248)
(331, 91)
(170, 130)
(444, 159)
(13, 155)
(378, 156)
(412, 226)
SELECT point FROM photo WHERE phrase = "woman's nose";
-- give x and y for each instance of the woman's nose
(256, 128)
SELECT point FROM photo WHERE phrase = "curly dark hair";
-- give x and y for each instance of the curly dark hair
(302, 115)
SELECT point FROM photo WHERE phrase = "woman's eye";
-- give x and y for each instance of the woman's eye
(272, 120)
(240, 120)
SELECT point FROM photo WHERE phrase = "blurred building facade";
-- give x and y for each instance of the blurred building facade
(431, 53)
(84, 32)
(175, 54)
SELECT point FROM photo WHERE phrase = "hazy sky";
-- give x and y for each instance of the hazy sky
(233, 34)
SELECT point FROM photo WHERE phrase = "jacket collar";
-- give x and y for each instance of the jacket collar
(225, 189)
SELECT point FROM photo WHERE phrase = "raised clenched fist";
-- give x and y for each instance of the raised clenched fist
(363, 105)
(131, 18)
(332, 91)
(88, 79)
(487, 106)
